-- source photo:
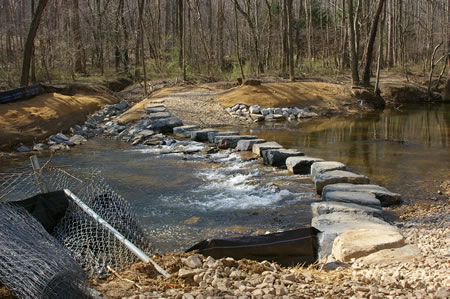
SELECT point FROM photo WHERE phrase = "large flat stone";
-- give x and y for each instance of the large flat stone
(360, 198)
(201, 135)
(320, 167)
(301, 165)
(231, 141)
(404, 254)
(386, 197)
(166, 125)
(334, 224)
(185, 131)
(212, 135)
(360, 243)
(277, 157)
(328, 207)
(155, 109)
(247, 145)
(337, 176)
(260, 147)
(159, 115)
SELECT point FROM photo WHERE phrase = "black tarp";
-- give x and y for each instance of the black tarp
(47, 208)
(289, 248)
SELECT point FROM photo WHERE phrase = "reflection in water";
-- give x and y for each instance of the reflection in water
(397, 149)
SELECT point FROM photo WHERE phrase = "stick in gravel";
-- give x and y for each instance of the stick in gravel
(122, 278)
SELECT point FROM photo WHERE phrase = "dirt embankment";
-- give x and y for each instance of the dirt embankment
(37, 118)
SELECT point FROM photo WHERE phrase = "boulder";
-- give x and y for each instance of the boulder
(337, 176)
(301, 165)
(201, 135)
(321, 208)
(334, 224)
(386, 197)
(277, 157)
(185, 131)
(255, 109)
(159, 115)
(258, 148)
(360, 198)
(389, 256)
(78, 139)
(166, 125)
(247, 145)
(61, 138)
(362, 242)
(213, 134)
(231, 141)
(319, 167)
(257, 117)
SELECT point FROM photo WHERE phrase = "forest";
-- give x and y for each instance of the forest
(208, 40)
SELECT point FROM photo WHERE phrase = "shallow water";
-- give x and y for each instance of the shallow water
(404, 150)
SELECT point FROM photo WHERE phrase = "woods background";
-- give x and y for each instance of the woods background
(213, 39)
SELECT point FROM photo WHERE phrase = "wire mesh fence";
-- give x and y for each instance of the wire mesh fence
(92, 246)
(32, 263)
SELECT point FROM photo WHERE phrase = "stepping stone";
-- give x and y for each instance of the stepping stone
(277, 157)
(386, 197)
(337, 176)
(212, 135)
(166, 125)
(322, 208)
(360, 198)
(301, 165)
(155, 109)
(231, 141)
(320, 167)
(185, 131)
(260, 147)
(201, 135)
(159, 115)
(247, 145)
(334, 224)
(360, 243)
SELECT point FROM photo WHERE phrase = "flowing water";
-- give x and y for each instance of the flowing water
(182, 199)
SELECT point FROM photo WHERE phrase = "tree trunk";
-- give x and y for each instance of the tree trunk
(238, 56)
(77, 39)
(30, 42)
(370, 43)
(353, 55)
(290, 41)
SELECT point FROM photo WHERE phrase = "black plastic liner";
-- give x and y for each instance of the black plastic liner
(289, 248)
(47, 208)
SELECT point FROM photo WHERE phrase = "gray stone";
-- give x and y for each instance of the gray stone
(40, 147)
(186, 273)
(231, 141)
(122, 105)
(23, 148)
(255, 109)
(58, 147)
(151, 106)
(166, 125)
(260, 147)
(301, 165)
(155, 109)
(235, 107)
(193, 261)
(265, 112)
(277, 111)
(99, 117)
(257, 117)
(360, 243)
(360, 198)
(278, 116)
(61, 136)
(201, 135)
(185, 131)
(319, 167)
(159, 115)
(247, 145)
(277, 157)
(78, 139)
(337, 176)
(321, 208)
(145, 133)
(386, 197)
(213, 134)
(305, 114)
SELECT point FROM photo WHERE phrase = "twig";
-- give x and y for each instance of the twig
(122, 278)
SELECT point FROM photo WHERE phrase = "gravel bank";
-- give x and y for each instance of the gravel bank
(426, 276)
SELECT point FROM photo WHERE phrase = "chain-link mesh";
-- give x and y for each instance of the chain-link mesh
(90, 244)
(32, 263)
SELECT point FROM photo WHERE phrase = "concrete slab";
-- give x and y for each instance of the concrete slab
(337, 176)
(319, 167)
(201, 135)
(247, 145)
(301, 165)
(277, 157)
(231, 141)
(212, 135)
(185, 131)
(260, 147)
(321, 208)
(360, 198)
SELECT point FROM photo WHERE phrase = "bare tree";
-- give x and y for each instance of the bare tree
(353, 55)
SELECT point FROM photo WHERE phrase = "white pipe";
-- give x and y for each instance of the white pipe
(139, 253)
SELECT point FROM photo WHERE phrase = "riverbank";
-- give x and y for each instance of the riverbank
(385, 275)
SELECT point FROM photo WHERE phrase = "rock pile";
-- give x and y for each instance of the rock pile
(256, 114)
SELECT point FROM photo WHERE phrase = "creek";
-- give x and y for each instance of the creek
(182, 199)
